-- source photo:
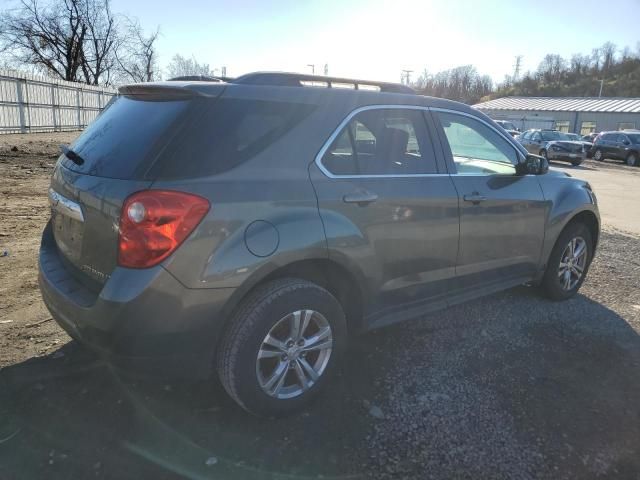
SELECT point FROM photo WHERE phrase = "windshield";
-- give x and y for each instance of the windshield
(549, 136)
(506, 125)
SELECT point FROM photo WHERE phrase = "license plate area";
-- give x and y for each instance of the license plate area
(68, 226)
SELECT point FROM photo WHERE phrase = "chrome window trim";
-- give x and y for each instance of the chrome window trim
(344, 123)
(353, 113)
(65, 206)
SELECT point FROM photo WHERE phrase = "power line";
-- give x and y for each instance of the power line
(405, 77)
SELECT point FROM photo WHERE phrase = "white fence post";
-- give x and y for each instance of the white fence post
(78, 103)
(19, 94)
(53, 107)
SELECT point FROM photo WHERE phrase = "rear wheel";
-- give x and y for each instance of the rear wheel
(597, 155)
(282, 347)
(568, 263)
(632, 160)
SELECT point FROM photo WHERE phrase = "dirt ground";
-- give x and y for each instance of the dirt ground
(509, 386)
(26, 162)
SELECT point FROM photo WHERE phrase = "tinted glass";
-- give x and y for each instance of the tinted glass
(634, 137)
(222, 134)
(526, 135)
(381, 142)
(553, 135)
(119, 142)
(476, 148)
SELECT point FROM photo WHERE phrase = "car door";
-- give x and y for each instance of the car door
(389, 211)
(536, 143)
(620, 147)
(606, 144)
(502, 214)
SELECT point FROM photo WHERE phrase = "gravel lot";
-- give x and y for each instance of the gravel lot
(510, 386)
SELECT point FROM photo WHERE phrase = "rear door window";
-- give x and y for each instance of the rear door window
(384, 142)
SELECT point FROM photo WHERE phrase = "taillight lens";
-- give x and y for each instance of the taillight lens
(153, 223)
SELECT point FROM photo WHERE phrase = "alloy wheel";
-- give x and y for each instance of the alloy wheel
(572, 263)
(294, 354)
(632, 160)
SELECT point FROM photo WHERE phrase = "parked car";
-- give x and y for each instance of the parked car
(577, 138)
(247, 228)
(509, 127)
(623, 146)
(553, 145)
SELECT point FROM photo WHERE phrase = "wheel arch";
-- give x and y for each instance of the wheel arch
(341, 282)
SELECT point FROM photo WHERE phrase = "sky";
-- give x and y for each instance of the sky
(377, 39)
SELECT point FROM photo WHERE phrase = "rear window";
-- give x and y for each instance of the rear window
(224, 133)
(119, 143)
(141, 138)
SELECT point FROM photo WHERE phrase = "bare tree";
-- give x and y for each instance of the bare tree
(136, 54)
(98, 49)
(182, 66)
(49, 37)
(76, 40)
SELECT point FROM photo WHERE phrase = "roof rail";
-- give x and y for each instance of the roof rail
(285, 79)
(200, 78)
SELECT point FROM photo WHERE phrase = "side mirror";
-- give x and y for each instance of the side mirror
(532, 165)
(625, 142)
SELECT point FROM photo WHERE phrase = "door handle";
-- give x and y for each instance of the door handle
(361, 198)
(474, 198)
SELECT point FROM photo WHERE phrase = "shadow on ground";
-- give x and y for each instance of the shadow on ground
(505, 387)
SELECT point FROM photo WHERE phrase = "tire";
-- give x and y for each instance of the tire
(552, 282)
(597, 155)
(576, 163)
(270, 309)
(632, 160)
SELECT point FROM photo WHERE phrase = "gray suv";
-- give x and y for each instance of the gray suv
(248, 227)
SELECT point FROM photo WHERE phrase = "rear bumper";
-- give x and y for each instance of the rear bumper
(143, 321)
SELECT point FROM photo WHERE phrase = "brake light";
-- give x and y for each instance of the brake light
(153, 223)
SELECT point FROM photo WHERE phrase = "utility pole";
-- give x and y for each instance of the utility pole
(406, 77)
(326, 69)
(601, 82)
(516, 67)
(223, 71)
(313, 68)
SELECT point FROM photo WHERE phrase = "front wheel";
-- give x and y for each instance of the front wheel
(568, 263)
(282, 346)
(632, 160)
(597, 155)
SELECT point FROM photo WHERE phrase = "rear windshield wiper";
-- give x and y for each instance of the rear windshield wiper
(71, 155)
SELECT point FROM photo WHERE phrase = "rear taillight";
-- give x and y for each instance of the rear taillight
(153, 223)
